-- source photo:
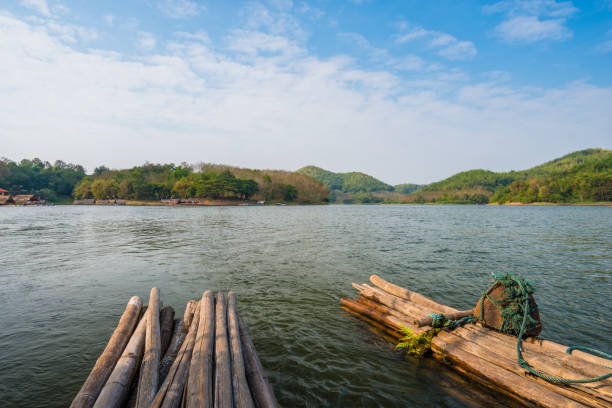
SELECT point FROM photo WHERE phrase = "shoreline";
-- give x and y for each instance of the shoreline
(515, 204)
(232, 203)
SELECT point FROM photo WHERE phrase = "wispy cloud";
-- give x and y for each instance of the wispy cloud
(189, 100)
(529, 21)
(313, 13)
(146, 40)
(179, 8)
(444, 44)
(71, 33)
(531, 29)
(38, 5)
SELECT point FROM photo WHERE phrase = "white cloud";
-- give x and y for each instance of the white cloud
(197, 36)
(409, 63)
(38, 5)
(542, 8)
(254, 106)
(146, 40)
(532, 29)
(530, 21)
(71, 33)
(260, 17)
(110, 19)
(179, 8)
(313, 13)
(445, 44)
(417, 32)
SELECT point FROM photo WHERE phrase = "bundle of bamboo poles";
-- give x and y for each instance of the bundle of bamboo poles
(205, 359)
(486, 355)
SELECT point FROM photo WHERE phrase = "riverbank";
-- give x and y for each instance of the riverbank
(579, 204)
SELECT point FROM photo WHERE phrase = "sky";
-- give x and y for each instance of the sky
(407, 91)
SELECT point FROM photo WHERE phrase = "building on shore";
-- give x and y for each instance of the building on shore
(87, 201)
(4, 193)
(6, 199)
(25, 199)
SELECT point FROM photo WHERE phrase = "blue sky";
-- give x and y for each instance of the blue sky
(409, 91)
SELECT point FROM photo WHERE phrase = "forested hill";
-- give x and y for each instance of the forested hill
(161, 181)
(49, 181)
(150, 182)
(353, 182)
(584, 175)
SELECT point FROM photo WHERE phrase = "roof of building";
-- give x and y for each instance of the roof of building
(24, 197)
(3, 190)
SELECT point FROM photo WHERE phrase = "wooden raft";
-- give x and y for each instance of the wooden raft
(205, 359)
(486, 355)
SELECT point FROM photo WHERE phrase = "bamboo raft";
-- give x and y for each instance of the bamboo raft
(485, 355)
(205, 359)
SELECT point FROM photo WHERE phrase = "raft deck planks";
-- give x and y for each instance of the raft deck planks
(176, 361)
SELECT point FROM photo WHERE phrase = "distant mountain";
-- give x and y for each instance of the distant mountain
(584, 175)
(353, 182)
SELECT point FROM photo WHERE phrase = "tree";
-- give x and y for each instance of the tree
(290, 193)
(83, 190)
(126, 189)
(98, 190)
(100, 170)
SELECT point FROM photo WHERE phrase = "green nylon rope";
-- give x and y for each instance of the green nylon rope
(518, 302)
(523, 289)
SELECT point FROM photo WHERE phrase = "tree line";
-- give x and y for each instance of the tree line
(52, 182)
(163, 181)
(590, 181)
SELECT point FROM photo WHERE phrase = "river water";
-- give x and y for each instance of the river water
(68, 271)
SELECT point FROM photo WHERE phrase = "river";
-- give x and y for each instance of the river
(68, 271)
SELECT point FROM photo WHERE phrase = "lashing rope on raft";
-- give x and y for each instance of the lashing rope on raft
(517, 302)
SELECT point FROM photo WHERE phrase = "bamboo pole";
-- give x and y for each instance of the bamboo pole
(410, 309)
(402, 318)
(375, 313)
(551, 346)
(448, 345)
(427, 321)
(177, 341)
(90, 390)
(133, 390)
(166, 327)
(149, 371)
(494, 348)
(556, 352)
(223, 375)
(242, 395)
(199, 390)
(116, 388)
(549, 364)
(417, 308)
(188, 316)
(410, 295)
(258, 382)
(171, 391)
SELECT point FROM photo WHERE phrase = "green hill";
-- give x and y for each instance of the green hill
(212, 181)
(353, 182)
(407, 188)
(584, 175)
